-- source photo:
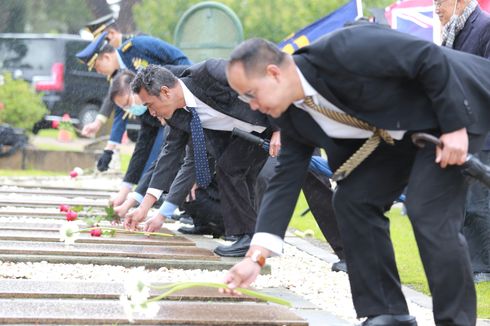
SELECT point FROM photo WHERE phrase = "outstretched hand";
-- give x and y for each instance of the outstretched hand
(241, 275)
(155, 223)
(134, 218)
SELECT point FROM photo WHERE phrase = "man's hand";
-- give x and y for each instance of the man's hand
(123, 209)
(104, 160)
(241, 275)
(275, 144)
(192, 193)
(91, 129)
(455, 148)
(120, 197)
(134, 218)
(245, 272)
(155, 223)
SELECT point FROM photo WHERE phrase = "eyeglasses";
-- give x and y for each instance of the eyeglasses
(247, 97)
(438, 3)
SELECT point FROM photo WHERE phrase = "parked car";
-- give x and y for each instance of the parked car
(48, 62)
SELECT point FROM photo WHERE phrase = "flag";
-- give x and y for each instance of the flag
(415, 17)
(485, 5)
(334, 20)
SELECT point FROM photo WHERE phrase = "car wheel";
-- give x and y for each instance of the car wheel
(87, 115)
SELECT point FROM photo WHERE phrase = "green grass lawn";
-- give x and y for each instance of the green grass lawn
(407, 255)
(125, 158)
(21, 173)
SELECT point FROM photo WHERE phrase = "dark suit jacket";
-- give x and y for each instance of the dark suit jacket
(475, 38)
(207, 81)
(146, 138)
(396, 81)
(390, 79)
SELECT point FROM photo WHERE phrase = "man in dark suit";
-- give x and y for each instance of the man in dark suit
(135, 53)
(203, 90)
(467, 28)
(389, 84)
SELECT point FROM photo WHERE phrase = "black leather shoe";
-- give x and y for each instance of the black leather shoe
(231, 238)
(186, 219)
(238, 249)
(339, 266)
(201, 230)
(390, 320)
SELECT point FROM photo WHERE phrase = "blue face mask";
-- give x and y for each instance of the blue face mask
(137, 109)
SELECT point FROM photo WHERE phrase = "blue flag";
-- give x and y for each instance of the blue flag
(332, 21)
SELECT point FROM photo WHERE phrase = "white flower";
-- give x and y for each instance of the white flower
(150, 309)
(128, 307)
(140, 297)
(134, 281)
(135, 287)
(69, 232)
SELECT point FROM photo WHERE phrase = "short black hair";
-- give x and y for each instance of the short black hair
(152, 79)
(121, 83)
(256, 54)
(107, 48)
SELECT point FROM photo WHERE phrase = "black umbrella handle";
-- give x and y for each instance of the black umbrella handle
(421, 138)
(472, 167)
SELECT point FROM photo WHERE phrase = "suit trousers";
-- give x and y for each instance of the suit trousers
(435, 206)
(238, 162)
(317, 191)
(205, 208)
(477, 222)
(318, 194)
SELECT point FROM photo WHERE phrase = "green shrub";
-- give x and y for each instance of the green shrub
(22, 106)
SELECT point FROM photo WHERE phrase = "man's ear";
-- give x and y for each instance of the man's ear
(273, 70)
(165, 91)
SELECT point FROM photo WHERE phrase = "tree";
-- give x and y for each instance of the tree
(125, 20)
(55, 16)
(273, 19)
(12, 16)
(98, 8)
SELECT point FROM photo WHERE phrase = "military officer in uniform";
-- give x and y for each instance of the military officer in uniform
(108, 24)
(135, 53)
(116, 39)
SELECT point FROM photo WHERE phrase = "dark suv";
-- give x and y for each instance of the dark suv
(48, 62)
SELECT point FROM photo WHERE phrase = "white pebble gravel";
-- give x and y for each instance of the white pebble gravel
(301, 273)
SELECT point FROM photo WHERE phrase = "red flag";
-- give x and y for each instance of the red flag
(485, 5)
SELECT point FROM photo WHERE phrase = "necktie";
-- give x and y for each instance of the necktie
(365, 150)
(203, 176)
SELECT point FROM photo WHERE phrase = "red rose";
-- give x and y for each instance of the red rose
(96, 232)
(55, 124)
(71, 216)
(73, 174)
(64, 208)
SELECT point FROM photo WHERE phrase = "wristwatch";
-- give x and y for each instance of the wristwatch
(257, 257)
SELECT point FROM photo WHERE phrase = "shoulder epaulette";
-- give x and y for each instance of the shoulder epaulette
(127, 46)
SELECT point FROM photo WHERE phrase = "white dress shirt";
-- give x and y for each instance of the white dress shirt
(333, 129)
(210, 119)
